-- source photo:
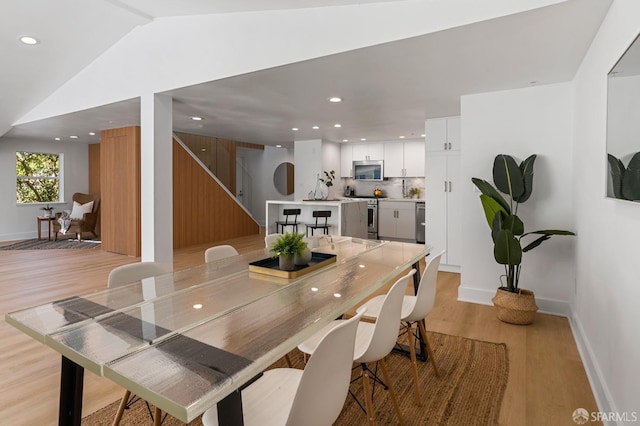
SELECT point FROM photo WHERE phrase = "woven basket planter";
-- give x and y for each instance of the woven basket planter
(515, 308)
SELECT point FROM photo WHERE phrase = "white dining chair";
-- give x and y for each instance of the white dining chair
(311, 397)
(414, 310)
(374, 341)
(120, 276)
(219, 252)
(132, 272)
(270, 239)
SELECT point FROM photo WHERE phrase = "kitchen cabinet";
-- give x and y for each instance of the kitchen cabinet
(368, 151)
(404, 159)
(443, 203)
(358, 152)
(397, 220)
(346, 160)
(443, 134)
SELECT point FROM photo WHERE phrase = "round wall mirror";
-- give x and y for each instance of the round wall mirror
(283, 178)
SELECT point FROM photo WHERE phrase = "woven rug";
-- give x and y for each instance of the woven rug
(65, 244)
(469, 390)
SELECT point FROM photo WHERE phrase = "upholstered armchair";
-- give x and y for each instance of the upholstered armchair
(80, 219)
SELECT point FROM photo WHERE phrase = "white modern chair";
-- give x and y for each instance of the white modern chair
(270, 239)
(120, 276)
(126, 274)
(373, 343)
(219, 252)
(311, 397)
(414, 311)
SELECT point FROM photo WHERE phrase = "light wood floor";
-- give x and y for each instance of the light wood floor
(547, 381)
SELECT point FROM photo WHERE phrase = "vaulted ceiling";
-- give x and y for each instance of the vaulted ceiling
(388, 89)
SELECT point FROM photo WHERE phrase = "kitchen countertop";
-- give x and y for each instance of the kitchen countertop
(408, 200)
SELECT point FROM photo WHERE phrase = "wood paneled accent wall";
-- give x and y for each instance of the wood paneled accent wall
(94, 175)
(120, 190)
(218, 155)
(203, 212)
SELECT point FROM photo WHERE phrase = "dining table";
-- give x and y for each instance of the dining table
(189, 339)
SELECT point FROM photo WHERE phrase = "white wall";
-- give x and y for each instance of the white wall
(331, 153)
(260, 166)
(19, 222)
(605, 304)
(535, 120)
(308, 163)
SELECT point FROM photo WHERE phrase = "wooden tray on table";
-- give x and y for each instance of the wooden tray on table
(269, 266)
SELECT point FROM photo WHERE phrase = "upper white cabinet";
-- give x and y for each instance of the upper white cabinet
(346, 160)
(443, 134)
(393, 159)
(404, 159)
(368, 151)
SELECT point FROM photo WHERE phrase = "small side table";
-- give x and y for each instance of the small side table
(45, 219)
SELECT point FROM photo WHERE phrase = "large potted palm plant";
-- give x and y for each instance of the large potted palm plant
(513, 304)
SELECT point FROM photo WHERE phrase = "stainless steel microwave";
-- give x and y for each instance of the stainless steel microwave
(368, 170)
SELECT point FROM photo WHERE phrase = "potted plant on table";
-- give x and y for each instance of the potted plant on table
(286, 248)
(48, 211)
(513, 304)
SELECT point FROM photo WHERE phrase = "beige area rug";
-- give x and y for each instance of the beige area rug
(469, 391)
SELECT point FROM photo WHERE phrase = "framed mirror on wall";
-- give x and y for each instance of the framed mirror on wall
(283, 178)
(623, 126)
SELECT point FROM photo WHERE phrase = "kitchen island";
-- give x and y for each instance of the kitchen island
(348, 217)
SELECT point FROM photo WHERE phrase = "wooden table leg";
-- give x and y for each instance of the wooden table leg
(39, 230)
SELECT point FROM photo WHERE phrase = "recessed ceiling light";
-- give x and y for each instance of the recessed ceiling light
(196, 118)
(363, 139)
(92, 133)
(335, 99)
(422, 135)
(338, 125)
(345, 140)
(29, 40)
(315, 127)
(73, 137)
(57, 139)
(295, 129)
(278, 146)
(401, 137)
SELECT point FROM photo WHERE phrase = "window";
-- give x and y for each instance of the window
(37, 177)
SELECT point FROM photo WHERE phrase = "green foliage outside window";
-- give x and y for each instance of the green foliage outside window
(37, 177)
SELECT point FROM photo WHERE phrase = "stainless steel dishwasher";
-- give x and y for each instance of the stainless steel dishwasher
(420, 221)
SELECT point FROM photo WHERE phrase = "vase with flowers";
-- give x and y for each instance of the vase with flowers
(327, 182)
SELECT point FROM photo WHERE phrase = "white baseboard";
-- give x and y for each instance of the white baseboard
(449, 268)
(598, 386)
(23, 236)
(483, 297)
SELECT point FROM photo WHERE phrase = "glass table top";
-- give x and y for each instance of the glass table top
(185, 340)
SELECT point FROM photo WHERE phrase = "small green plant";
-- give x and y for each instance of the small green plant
(288, 245)
(328, 178)
(414, 192)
